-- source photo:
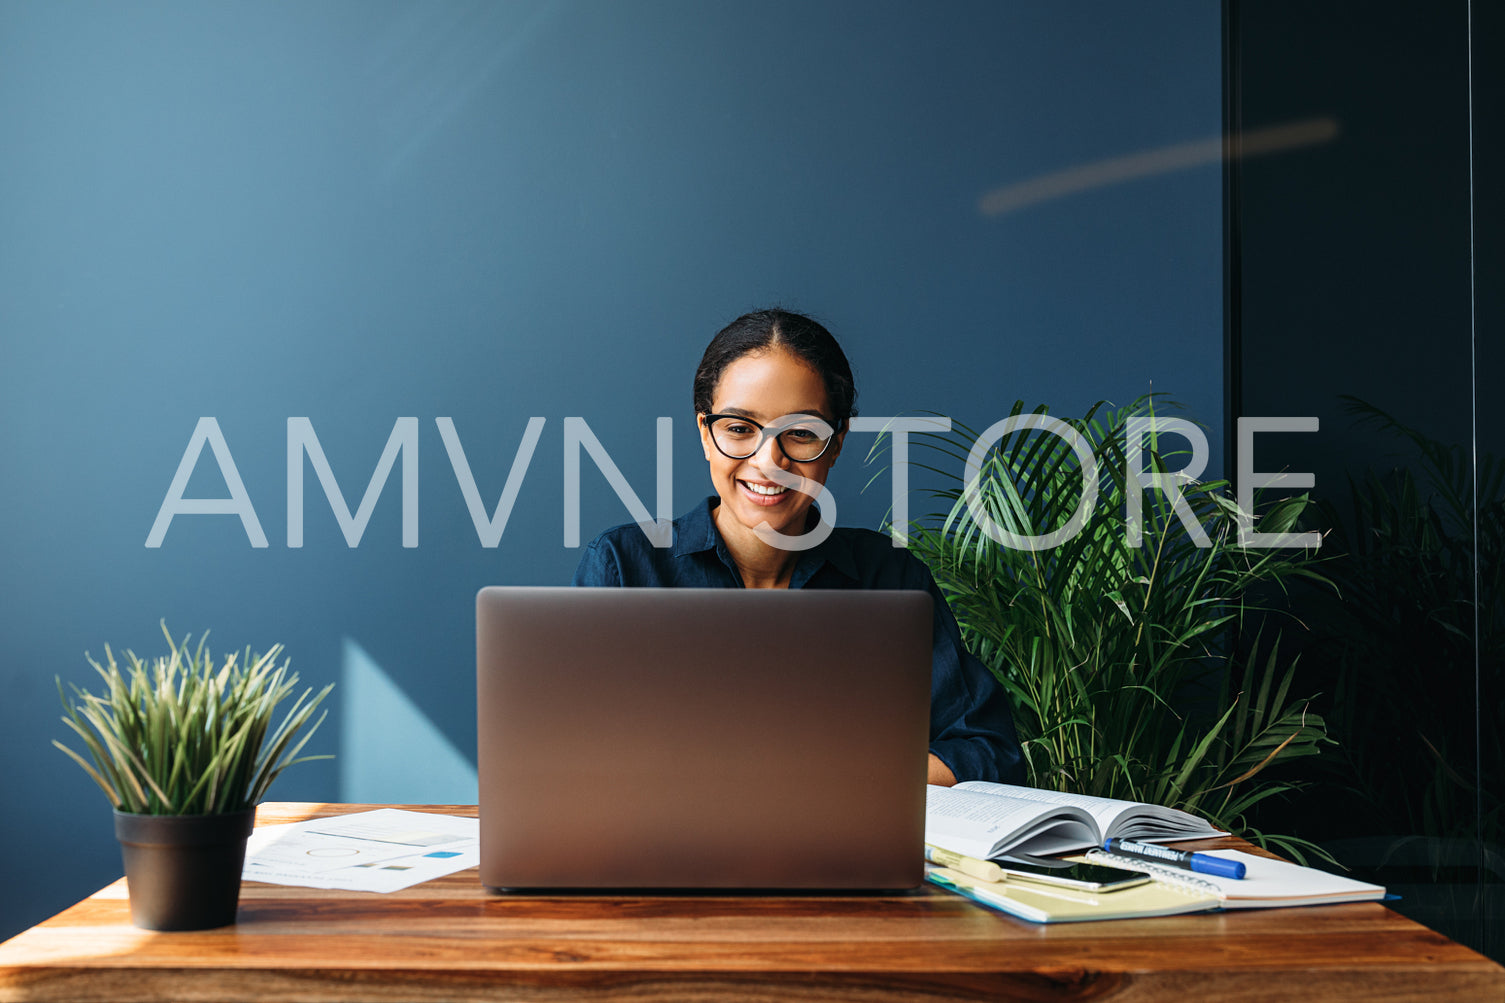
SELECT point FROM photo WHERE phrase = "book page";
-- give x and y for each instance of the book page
(1133, 819)
(986, 825)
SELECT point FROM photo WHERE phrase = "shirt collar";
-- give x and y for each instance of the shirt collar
(696, 532)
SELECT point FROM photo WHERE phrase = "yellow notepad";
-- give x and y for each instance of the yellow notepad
(1040, 903)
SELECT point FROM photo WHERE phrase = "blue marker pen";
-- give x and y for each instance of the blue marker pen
(1200, 862)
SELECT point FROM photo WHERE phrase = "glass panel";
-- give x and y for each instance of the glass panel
(1352, 302)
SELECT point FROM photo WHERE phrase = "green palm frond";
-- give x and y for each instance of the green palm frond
(1119, 658)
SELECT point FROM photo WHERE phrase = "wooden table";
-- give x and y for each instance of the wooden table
(451, 940)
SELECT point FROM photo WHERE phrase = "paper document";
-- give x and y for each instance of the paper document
(375, 851)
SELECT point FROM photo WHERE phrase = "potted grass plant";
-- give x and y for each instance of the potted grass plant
(185, 750)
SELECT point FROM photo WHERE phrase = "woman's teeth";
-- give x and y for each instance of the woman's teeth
(765, 489)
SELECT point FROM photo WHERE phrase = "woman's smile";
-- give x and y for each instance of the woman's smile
(764, 492)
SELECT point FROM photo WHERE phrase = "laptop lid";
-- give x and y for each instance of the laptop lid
(702, 738)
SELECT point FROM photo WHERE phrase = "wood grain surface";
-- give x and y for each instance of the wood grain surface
(450, 939)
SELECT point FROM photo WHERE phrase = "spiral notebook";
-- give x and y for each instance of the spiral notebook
(1267, 884)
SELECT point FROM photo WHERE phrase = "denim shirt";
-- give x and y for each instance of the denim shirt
(971, 725)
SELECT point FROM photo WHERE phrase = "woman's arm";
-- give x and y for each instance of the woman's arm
(971, 722)
(940, 774)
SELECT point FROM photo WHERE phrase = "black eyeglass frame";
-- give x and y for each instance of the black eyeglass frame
(774, 429)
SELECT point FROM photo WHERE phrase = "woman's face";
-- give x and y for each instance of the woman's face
(765, 386)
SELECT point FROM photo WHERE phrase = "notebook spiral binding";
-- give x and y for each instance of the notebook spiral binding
(1183, 881)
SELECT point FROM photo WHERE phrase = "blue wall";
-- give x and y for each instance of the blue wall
(359, 211)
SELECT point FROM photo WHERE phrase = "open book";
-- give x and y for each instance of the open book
(986, 820)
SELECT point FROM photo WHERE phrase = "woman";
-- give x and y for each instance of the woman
(773, 396)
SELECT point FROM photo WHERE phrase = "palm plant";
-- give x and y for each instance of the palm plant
(180, 737)
(1121, 659)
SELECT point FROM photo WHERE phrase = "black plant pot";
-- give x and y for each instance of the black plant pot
(183, 871)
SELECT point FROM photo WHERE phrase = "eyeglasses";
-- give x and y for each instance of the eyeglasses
(801, 437)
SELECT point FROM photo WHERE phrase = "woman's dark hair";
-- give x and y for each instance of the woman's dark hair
(764, 329)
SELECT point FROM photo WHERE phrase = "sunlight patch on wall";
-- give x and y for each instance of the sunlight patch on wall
(390, 752)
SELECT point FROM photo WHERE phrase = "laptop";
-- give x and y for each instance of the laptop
(702, 738)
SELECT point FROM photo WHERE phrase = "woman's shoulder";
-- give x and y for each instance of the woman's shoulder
(627, 544)
(690, 531)
(628, 555)
(628, 534)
